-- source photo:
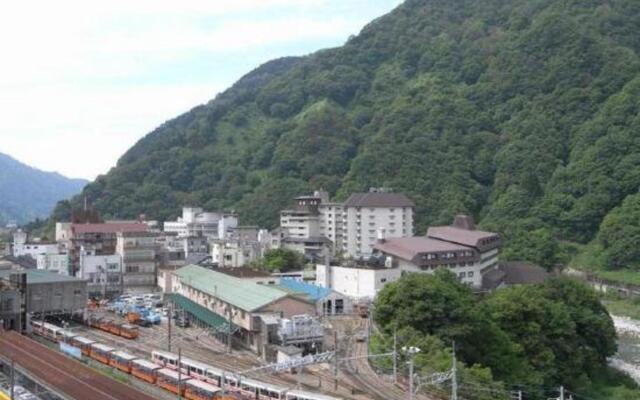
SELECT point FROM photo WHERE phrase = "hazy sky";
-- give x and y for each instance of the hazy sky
(82, 81)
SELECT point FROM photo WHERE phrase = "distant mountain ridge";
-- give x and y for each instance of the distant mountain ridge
(27, 193)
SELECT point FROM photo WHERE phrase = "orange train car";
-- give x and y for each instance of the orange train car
(145, 370)
(121, 361)
(83, 343)
(172, 381)
(100, 352)
(114, 328)
(198, 390)
(129, 331)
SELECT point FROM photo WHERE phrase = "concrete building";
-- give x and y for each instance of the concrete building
(56, 263)
(359, 281)
(460, 248)
(103, 274)
(139, 262)
(242, 245)
(196, 222)
(328, 301)
(317, 226)
(51, 293)
(22, 247)
(366, 214)
(97, 239)
(213, 299)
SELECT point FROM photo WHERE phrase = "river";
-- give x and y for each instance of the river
(628, 357)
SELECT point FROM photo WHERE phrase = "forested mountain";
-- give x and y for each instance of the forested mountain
(27, 193)
(523, 113)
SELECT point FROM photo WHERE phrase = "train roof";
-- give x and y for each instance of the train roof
(83, 340)
(197, 364)
(173, 374)
(204, 385)
(262, 385)
(146, 364)
(128, 326)
(165, 354)
(124, 356)
(102, 347)
(311, 395)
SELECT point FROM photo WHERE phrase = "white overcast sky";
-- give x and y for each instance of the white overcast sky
(82, 81)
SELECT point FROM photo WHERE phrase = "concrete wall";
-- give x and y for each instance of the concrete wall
(57, 297)
(363, 224)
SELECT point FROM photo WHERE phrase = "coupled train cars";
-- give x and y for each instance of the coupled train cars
(192, 379)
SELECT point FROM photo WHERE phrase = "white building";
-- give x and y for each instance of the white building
(196, 222)
(359, 282)
(365, 214)
(460, 248)
(350, 227)
(138, 252)
(57, 263)
(103, 273)
(23, 247)
(242, 245)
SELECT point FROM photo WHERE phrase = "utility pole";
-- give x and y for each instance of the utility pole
(395, 355)
(454, 375)
(13, 379)
(335, 360)
(169, 329)
(229, 330)
(179, 372)
(561, 392)
(411, 378)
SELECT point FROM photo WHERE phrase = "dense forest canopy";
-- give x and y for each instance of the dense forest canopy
(519, 112)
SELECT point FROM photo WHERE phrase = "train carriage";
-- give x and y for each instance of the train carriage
(165, 359)
(214, 376)
(303, 395)
(194, 369)
(261, 391)
(47, 330)
(83, 343)
(101, 352)
(198, 390)
(114, 328)
(145, 370)
(172, 381)
(121, 361)
(66, 335)
(129, 331)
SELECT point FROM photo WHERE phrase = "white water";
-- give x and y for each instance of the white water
(628, 357)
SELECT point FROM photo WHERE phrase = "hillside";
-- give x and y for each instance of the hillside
(520, 112)
(27, 193)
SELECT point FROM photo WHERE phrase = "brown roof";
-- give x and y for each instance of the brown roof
(109, 228)
(379, 199)
(458, 235)
(408, 248)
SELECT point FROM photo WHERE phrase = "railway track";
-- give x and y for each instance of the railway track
(65, 375)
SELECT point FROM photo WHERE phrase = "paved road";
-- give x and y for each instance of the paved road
(62, 373)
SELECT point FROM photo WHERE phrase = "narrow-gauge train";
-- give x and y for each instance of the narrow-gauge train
(127, 331)
(196, 380)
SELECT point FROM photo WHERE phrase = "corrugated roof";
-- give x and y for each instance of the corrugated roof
(203, 314)
(379, 199)
(408, 248)
(313, 292)
(246, 295)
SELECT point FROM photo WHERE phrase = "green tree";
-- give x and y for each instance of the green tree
(282, 260)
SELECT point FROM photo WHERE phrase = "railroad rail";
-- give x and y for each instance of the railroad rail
(65, 375)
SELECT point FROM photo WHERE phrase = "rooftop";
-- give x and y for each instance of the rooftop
(462, 236)
(246, 295)
(408, 248)
(109, 228)
(312, 292)
(36, 276)
(378, 199)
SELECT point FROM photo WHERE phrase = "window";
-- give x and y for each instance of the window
(470, 274)
(462, 274)
(383, 280)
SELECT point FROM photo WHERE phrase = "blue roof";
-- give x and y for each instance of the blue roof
(314, 292)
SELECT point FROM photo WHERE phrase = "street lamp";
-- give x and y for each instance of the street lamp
(410, 351)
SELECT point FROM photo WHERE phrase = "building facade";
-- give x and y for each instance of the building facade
(56, 263)
(197, 222)
(359, 282)
(103, 274)
(138, 251)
